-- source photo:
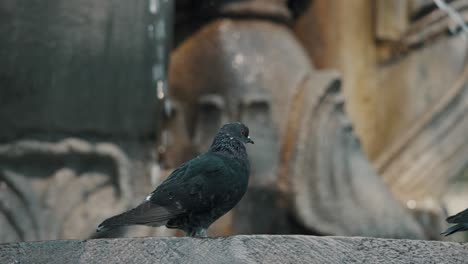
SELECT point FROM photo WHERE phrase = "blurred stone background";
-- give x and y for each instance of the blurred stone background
(357, 108)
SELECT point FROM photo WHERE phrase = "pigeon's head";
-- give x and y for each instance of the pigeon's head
(238, 131)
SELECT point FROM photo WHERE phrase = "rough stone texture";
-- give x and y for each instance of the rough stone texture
(236, 249)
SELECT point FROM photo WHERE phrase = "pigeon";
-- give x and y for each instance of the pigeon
(198, 192)
(461, 221)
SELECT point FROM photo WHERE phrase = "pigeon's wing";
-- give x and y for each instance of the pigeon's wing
(461, 217)
(146, 213)
(190, 186)
(153, 212)
(455, 228)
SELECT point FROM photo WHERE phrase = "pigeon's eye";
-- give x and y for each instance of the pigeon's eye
(245, 133)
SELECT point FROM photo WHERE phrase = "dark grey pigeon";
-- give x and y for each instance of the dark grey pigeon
(198, 192)
(461, 221)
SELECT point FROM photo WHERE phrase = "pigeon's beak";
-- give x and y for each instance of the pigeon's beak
(249, 140)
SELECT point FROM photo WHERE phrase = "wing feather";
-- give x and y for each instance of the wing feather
(146, 213)
(461, 217)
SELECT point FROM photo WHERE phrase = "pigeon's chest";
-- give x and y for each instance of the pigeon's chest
(239, 171)
(235, 183)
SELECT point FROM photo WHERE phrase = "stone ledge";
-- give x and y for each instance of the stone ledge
(236, 249)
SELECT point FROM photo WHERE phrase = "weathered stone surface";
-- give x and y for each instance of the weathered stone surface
(384, 98)
(72, 68)
(428, 136)
(409, 107)
(236, 249)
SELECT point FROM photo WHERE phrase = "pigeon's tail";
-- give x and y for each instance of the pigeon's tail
(455, 228)
(146, 213)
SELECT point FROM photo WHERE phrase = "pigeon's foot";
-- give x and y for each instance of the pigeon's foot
(197, 232)
(102, 228)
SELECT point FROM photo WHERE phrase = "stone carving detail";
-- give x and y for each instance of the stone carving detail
(60, 190)
(335, 188)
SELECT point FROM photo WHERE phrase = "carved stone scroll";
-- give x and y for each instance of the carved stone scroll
(62, 189)
(334, 187)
